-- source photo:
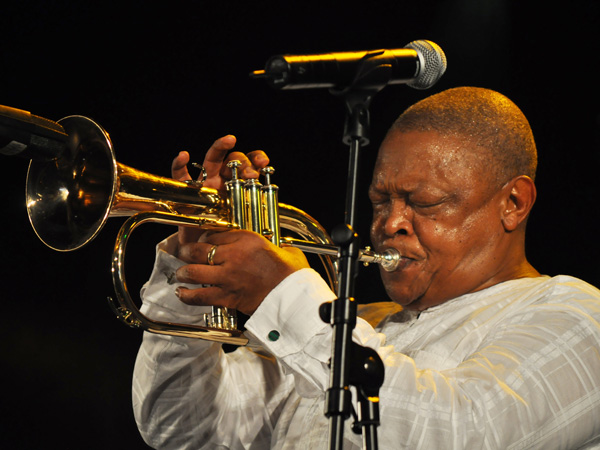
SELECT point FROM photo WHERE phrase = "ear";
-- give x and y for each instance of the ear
(518, 199)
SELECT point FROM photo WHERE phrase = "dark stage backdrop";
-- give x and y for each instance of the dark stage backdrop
(174, 76)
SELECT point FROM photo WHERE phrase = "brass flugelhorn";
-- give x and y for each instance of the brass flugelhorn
(69, 200)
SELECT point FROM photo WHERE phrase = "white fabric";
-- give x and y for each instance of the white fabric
(514, 366)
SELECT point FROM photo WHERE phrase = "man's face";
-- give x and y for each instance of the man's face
(432, 202)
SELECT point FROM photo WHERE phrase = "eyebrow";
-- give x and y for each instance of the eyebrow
(392, 187)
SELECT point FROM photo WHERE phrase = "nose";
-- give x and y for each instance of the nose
(398, 219)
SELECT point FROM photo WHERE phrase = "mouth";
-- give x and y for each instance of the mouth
(402, 264)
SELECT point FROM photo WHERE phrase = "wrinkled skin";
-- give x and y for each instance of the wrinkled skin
(432, 202)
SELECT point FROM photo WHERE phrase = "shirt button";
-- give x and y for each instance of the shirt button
(273, 335)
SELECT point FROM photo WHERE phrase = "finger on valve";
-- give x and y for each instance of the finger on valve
(216, 171)
(211, 169)
(215, 162)
(251, 164)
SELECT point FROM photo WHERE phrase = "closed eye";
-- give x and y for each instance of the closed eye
(378, 198)
(427, 205)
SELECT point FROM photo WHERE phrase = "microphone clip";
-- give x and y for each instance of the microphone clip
(357, 96)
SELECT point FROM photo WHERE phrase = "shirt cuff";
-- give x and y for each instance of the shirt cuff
(289, 316)
(158, 294)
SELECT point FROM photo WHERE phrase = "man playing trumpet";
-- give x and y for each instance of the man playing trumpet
(480, 350)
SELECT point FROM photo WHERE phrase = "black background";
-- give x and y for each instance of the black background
(174, 76)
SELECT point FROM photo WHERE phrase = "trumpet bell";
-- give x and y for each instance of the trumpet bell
(69, 199)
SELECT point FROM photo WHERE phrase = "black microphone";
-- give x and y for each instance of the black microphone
(28, 136)
(419, 65)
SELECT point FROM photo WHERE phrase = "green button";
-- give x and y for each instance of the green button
(273, 335)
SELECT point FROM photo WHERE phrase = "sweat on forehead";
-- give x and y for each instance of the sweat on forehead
(486, 120)
(423, 159)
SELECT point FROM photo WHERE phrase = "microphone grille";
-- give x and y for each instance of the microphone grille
(432, 61)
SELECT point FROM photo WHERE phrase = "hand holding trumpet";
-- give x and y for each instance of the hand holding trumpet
(240, 266)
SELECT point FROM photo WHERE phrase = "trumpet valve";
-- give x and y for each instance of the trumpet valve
(234, 165)
(267, 172)
(221, 318)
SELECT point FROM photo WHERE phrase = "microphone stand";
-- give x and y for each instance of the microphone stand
(351, 363)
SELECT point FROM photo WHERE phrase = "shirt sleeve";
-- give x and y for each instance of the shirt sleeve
(288, 325)
(532, 382)
(188, 393)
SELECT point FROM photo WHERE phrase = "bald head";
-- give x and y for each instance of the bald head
(493, 128)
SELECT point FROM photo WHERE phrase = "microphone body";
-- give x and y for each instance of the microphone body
(28, 136)
(419, 65)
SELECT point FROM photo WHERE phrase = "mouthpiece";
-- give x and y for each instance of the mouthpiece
(388, 259)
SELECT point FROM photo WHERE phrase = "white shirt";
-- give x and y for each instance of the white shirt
(514, 366)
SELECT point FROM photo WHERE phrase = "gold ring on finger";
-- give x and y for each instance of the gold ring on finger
(211, 255)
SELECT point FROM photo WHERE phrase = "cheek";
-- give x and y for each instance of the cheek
(457, 243)
(444, 243)
(445, 237)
